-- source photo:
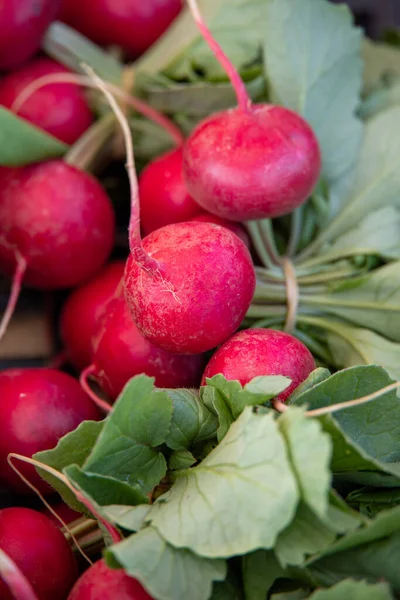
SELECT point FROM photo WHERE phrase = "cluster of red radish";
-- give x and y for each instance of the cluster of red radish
(183, 291)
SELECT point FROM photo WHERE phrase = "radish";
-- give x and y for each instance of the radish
(255, 352)
(249, 162)
(100, 582)
(38, 406)
(56, 227)
(121, 351)
(188, 285)
(22, 25)
(61, 110)
(81, 312)
(40, 551)
(164, 198)
(133, 25)
(236, 228)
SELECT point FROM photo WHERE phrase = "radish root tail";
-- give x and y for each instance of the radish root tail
(83, 380)
(15, 580)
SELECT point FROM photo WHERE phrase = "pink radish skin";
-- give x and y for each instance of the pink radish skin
(254, 164)
(255, 352)
(236, 228)
(164, 198)
(253, 161)
(132, 24)
(22, 25)
(81, 312)
(121, 351)
(209, 285)
(38, 407)
(59, 109)
(100, 582)
(40, 551)
(59, 219)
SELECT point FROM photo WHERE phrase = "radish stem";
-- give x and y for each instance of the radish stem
(15, 580)
(83, 380)
(15, 292)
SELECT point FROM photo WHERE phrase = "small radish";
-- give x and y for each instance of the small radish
(164, 198)
(38, 406)
(81, 312)
(133, 25)
(100, 582)
(121, 351)
(61, 110)
(22, 25)
(56, 227)
(208, 286)
(253, 161)
(188, 285)
(40, 551)
(255, 352)
(236, 228)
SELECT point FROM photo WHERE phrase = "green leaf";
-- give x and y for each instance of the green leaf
(374, 426)
(377, 174)
(216, 403)
(238, 499)
(372, 300)
(379, 60)
(167, 572)
(104, 490)
(191, 421)
(181, 459)
(72, 48)
(229, 589)
(127, 447)
(379, 100)
(310, 452)
(371, 501)
(356, 590)
(318, 375)
(238, 25)
(73, 448)
(131, 518)
(313, 65)
(260, 569)
(22, 143)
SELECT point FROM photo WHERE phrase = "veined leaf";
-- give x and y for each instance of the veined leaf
(356, 590)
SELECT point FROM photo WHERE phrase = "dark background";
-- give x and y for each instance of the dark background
(375, 16)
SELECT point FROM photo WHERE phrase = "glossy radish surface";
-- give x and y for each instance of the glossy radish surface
(22, 25)
(59, 109)
(121, 351)
(231, 225)
(38, 406)
(254, 352)
(164, 198)
(40, 551)
(255, 164)
(59, 219)
(207, 288)
(100, 582)
(132, 24)
(82, 309)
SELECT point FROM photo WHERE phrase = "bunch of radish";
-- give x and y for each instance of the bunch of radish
(174, 304)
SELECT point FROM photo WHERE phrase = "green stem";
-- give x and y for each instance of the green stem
(258, 242)
(259, 311)
(267, 235)
(295, 231)
(86, 150)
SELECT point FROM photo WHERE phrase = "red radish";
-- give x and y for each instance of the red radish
(22, 25)
(132, 24)
(40, 551)
(236, 228)
(100, 582)
(249, 162)
(164, 198)
(61, 110)
(255, 352)
(38, 406)
(188, 285)
(81, 312)
(56, 227)
(121, 351)
(209, 284)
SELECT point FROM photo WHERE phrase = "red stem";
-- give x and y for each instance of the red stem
(15, 292)
(242, 95)
(15, 580)
(139, 105)
(83, 380)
